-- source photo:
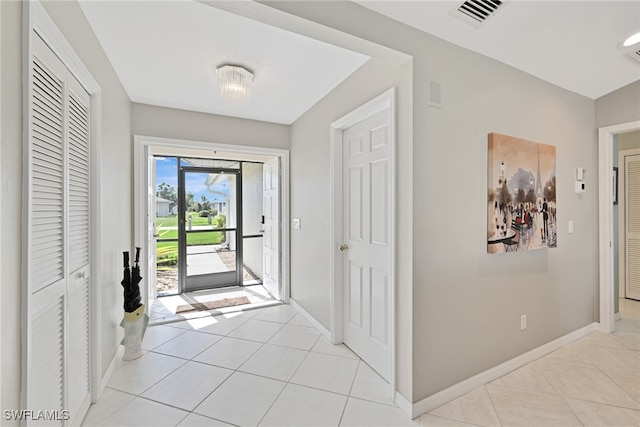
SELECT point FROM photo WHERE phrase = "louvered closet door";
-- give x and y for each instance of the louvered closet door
(46, 260)
(632, 226)
(78, 356)
(57, 339)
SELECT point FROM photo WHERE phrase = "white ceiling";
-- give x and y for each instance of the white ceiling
(572, 44)
(166, 52)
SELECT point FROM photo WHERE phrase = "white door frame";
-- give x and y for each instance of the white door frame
(380, 103)
(605, 209)
(622, 225)
(142, 147)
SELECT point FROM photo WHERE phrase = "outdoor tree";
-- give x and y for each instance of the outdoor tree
(168, 192)
(189, 200)
(205, 203)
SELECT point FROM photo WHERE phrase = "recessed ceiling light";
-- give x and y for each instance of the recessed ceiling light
(632, 40)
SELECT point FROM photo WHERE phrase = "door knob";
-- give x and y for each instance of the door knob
(343, 247)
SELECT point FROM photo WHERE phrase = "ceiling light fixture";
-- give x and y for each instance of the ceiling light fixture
(634, 39)
(235, 83)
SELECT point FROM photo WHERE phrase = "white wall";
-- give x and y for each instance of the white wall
(1, 198)
(619, 106)
(466, 304)
(11, 159)
(116, 178)
(164, 122)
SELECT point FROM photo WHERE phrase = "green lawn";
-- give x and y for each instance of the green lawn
(172, 221)
(167, 252)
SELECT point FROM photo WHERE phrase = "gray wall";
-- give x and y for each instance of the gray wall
(310, 196)
(116, 179)
(629, 140)
(619, 106)
(466, 304)
(164, 122)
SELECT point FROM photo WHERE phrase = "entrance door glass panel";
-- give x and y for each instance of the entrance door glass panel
(209, 229)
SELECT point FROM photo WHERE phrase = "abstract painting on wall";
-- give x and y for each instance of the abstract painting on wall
(521, 196)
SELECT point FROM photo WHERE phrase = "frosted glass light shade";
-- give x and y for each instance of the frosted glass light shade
(634, 39)
(235, 83)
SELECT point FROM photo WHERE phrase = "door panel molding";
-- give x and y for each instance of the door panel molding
(386, 100)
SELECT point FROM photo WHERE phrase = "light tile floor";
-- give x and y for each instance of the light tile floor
(594, 381)
(163, 309)
(270, 367)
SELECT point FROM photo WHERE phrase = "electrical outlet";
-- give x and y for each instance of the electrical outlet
(295, 223)
(523, 322)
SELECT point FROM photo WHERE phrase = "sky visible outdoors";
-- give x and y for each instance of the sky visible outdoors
(167, 171)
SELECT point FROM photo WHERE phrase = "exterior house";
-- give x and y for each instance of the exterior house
(163, 207)
(458, 309)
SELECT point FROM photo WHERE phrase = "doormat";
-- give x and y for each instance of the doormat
(208, 305)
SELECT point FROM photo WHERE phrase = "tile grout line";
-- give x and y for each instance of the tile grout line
(493, 405)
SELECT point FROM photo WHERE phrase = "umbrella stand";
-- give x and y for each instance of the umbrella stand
(135, 319)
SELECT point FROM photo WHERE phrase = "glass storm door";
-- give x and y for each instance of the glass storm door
(209, 228)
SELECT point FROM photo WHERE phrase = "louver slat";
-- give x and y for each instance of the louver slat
(79, 342)
(47, 149)
(78, 183)
(633, 196)
(632, 201)
(47, 357)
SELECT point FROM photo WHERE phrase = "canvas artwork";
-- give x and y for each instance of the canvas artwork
(521, 200)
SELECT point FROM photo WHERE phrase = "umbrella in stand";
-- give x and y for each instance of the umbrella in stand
(134, 296)
(135, 319)
(126, 280)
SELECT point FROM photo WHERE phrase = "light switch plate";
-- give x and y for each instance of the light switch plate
(570, 226)
(295, 223)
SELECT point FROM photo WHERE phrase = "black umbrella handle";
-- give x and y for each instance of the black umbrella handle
(137, 255)
(125, 259)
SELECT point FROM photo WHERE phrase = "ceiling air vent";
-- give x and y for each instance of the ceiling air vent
(635, 55)
(476, 12)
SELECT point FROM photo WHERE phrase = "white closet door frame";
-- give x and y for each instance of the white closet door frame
(622, 233)
(36, 22)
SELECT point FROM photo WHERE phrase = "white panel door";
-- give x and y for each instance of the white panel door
(366, 204)
(632, 225)
(271, 238)
(152, 234)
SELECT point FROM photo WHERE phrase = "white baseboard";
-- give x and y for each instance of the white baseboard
(438, 399)
(107, 375)
(324, 331)
(402, 403)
